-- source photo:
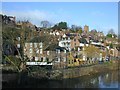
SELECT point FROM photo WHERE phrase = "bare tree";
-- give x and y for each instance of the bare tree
(111, 31)
(45, 24)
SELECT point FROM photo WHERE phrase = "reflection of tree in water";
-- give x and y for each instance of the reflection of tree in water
(115, 76)
(92, 81)
(109, 78)
(70, 83)
(82, 82)
(101, 80)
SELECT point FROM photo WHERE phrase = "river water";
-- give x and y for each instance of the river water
(101, 80)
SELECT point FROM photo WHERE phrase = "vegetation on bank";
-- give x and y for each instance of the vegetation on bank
(42, 73)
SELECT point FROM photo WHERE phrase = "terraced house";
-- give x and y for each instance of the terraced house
(34, 51)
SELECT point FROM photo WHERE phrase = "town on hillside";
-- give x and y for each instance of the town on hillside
(55, 46)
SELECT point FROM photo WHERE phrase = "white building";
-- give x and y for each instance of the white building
(65, 42)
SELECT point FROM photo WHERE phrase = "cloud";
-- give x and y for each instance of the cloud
(36, 16)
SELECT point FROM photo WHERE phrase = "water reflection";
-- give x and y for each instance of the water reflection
(103, 80)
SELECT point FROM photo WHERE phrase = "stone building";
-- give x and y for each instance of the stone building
(86, 29)
(75, 42)
(34, 51)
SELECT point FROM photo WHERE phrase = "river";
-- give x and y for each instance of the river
(101, 80)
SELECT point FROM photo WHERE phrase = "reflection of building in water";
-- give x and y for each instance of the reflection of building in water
(114, 76)
(99, 79)
(107, 79)
(92, 81)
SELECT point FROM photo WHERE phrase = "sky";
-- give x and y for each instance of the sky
(101, 16)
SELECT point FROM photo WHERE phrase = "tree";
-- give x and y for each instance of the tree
(45, 24)
(109, 35)
(91, 51)
(55, 27)
(62, 25)
(76, 28)
(80, 31)
(10, 34)
(73, 27)
(111, 45)
(111, 31)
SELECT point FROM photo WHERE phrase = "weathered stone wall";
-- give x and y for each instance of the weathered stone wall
(81, 71)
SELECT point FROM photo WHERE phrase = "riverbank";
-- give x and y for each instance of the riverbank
(99, 68)
(71, 72)
(100, 80)
(80, 71)
(107, 79)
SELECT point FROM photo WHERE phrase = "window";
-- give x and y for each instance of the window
(40, 51)
(30, 50)
(33, 58)
(36, 58)
(58, 59)
(64, 51)
(44, 59)
(75, 44)
(35, 45)
(37, 51)
(58, 51)
(68, 43)
(25, 49)
(48, 53)
(69, 61)
(18, 45)
(47, 59)
(74, 60)
(64, 59)
(30, 44)
(26, 44)
(18, 38)
(40, 44)
(41, 59)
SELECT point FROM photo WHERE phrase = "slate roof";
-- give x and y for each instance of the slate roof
(54, 47)
(83, 40)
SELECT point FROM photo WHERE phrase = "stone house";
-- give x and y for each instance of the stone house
(34, 51)
(57, 55)
(75, 42)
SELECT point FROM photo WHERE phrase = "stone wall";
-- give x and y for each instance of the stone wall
(81, 71)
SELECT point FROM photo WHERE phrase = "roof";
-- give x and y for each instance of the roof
(83, 40)
(36, 39)
(69, 34)
(54, 47)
